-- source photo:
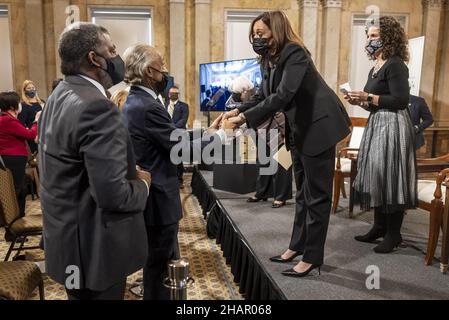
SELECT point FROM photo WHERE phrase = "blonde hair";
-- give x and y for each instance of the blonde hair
(137, 58)
(26, 99)
(119, 98)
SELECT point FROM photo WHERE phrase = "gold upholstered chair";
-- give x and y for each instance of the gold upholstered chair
(20, 227)
(18, 279)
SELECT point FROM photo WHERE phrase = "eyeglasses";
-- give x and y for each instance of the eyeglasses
(163, 72)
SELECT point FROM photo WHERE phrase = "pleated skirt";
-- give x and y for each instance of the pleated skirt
(386, 167)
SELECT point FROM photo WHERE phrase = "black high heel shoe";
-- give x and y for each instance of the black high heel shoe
(280, 260)
(254, 199)
(292, 273)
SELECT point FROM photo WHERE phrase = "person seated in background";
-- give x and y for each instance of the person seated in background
(179, 113)
(278, 185)
(31, 104)
(151, 129)
(119, 98)
(421, 118)
(13, 148)
(206, 100)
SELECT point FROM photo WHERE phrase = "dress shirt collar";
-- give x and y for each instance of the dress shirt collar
(95, 83)
(148, 90)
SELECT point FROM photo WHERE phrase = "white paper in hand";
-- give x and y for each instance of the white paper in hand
(345, 88)
(283, 157)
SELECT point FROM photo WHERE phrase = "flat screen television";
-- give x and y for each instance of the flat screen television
(216, 77)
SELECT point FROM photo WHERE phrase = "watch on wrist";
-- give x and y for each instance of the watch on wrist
(370, 98)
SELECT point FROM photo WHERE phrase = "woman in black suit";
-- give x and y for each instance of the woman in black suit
(386, 175)
(315, 121)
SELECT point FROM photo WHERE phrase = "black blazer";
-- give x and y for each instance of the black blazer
(420, 111)
(27, 117)
(180, 114)
(150, 128)
(92, 203)
(315, 116)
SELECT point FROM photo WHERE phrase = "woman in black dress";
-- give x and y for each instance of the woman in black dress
(315, 120)
(31, 105)
(386, 178)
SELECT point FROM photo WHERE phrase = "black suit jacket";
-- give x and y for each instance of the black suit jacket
(150, 127)
(92, 203)
(315, 116)
(180, 114)
(420, 111)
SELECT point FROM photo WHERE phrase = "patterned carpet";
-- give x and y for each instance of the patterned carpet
(213, 278)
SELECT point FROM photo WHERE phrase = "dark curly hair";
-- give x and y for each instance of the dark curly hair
(393, 37)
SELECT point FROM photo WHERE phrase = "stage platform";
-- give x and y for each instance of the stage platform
(250, 233)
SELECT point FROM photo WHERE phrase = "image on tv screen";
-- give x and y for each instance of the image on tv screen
(216, 77)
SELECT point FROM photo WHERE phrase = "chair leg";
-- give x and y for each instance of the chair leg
(445, 244)
(41, 290)
(22, 243)
(352, 177)
(37, 181)
(434, 232)
(337, 184)
(11, 247)
(343, 190)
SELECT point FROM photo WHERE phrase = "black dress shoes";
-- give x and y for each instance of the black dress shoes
(292, 273)
(280, 260)
(254, 199)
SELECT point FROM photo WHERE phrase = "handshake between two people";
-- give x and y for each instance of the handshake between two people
(229, 121)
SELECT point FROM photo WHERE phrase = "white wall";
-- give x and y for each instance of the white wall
(237, 25)
(6, 78)
(237, 41)
(126, 29)
(360, 67)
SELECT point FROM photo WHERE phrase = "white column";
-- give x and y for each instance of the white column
(330, 52)
(432, 30)
(177, 43)
(309, 25)
(202, 44)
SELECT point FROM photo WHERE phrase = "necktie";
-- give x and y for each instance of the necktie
(171, 108)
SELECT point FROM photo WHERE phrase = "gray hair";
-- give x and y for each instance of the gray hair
(75, 43)
(137, 58)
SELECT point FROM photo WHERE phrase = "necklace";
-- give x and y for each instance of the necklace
(377, 68)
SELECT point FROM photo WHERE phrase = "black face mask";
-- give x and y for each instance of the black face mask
(115, 68)
(174, 96)
(161, 86)
(260, 46)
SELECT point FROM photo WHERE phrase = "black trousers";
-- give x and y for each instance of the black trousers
(17, 166)
(162, 247)
(314, 179)
(116, 292)
(278, 185)
(180, 171)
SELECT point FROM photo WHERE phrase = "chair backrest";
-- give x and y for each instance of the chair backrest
(356, 137)
(358, 127)
(8, 201)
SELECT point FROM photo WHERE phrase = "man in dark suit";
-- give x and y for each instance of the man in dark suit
(421, 118)
(92, 196)
(151, 130)
(179, 113)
